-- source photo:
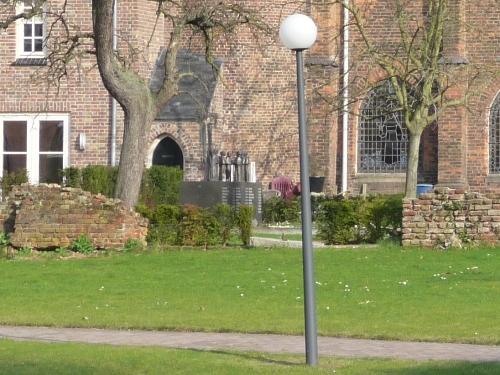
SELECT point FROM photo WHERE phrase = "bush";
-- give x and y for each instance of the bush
(226, 217)
(354, 220)
(385, 217)
(163, 223)
(198, 227)
(71, 177)
(13, 178)
(161, 185)
(83, 245)
(338, 221)
(278, 210)
(99, 179)
(244, 220)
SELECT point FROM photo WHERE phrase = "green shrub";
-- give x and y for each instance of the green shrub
(226, 217)
(24, 251)
(13, 178)
(71, 177)
(83, 245)
(198, 227)
(278, 210)
(355, 220)
(244, 220)
(385, 217)
(99, 179)
(339, 220)
(4, 239)
(133, 245)
(163, 223)
(161, 185)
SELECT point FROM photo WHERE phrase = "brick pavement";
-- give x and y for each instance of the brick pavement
(328, 346)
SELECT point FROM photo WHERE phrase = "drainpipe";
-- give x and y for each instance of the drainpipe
(113, 100)
(345, 96)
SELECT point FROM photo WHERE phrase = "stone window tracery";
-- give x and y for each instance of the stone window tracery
(494, 141)
(382, 135)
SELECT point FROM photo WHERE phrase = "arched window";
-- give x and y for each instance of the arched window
(495, 136)
(382, 135)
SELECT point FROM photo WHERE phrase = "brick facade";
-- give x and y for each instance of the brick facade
(254, 106)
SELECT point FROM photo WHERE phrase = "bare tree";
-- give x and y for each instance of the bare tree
(208, 19)
(418, 74)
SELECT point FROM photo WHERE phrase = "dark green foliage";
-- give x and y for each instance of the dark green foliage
(244, 220)
(133, 245)
(99, 179)
(338, 221)
(225, 216)
(161, 185)
(72, 177)
(278, 210)
(83, 245)
(194, 226)
(198, 227)
(13, 178)
(355, 220)
(163, 223)
(385, 216)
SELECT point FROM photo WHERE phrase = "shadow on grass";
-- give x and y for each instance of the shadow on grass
(260, 357)
(447, 368)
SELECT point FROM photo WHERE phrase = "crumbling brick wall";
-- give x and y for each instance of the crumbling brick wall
(451, 217)
(48, 216)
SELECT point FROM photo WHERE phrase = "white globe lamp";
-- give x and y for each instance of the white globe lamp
(298, 32)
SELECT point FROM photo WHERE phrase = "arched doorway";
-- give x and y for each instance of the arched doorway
(168, 153)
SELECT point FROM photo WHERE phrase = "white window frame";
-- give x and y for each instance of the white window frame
(33, 141)
(20, 54)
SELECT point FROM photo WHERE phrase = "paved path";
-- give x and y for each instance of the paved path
(328, 346)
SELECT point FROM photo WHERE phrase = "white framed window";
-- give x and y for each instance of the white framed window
(37, 143)
(30, 33)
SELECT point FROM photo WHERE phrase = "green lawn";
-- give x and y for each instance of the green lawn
(19, 358)
(375, 293)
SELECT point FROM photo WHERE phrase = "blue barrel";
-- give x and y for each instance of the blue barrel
(423, 188)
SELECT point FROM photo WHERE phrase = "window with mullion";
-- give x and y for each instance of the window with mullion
(31, 33)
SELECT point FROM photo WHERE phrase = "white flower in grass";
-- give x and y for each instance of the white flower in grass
(242, 294)
(101, 288)
(318, 283)
(298, 297)
(274, 287)
(285, 281)
(86, 318)
(403, 283)
(269, 269)
(237, 287)
(328, 307)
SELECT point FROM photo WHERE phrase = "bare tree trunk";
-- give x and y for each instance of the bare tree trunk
(412, 165)
(133, 154)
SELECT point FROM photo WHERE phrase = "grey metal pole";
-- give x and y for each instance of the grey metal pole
(307, 249)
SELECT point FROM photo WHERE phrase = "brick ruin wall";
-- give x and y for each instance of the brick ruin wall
(451, 217)
(48, 216)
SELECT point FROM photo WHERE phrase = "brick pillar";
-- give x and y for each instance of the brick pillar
(452, 166)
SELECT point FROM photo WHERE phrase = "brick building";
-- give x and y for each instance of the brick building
(251, 105)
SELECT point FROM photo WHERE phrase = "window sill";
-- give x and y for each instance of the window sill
(493, 178)
(380, 177)
(30, 61)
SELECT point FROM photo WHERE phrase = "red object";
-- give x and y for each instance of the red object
(285, 186)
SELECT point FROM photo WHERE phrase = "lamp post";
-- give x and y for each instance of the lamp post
(298, 33)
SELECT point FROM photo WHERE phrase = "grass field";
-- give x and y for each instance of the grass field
(385, 292)
(23, 358)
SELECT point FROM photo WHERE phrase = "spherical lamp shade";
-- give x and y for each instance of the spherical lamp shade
(298, 31)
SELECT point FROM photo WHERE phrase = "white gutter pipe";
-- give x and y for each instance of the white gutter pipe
(345, 96)
(113, 100)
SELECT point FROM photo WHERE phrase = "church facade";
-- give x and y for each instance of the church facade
(249, 107)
